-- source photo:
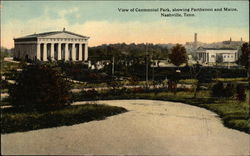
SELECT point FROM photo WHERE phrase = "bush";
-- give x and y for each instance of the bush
(40, 87)
(118, 91)
(4, 85)
(205, 76)
(240, 92)
(88, 95)
(218, 90)
(229, 90)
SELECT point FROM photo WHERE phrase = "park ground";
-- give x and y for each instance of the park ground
(165, 132)
(149, 127)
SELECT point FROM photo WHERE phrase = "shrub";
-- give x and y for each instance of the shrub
(205, 76)
(218, 90)
(138, 90)
(121, 91)
(4, 84)
(89, 95)
(40, 87)
(229, 90)
(240, 92)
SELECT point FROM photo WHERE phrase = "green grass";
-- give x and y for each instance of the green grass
(188, 81)
(13, 120)
(231, 79)
(6, 66)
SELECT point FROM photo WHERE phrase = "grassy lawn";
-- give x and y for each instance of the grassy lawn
(231, 79)
(87, 85)
(188, 81)
(192, 81)
(8, 66)
(15, 121)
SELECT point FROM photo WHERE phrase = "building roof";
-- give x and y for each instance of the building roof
(50, 33)
(202, 48)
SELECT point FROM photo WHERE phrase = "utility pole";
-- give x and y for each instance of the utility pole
(153, 75)
(113, 66)
(146, 65)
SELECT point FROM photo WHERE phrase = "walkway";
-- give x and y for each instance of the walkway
(149, 128)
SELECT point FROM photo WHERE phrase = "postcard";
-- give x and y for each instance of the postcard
(125, 78)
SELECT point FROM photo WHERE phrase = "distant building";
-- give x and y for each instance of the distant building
(231, 43)
(213, 55)
(192, 46)
(55, 45)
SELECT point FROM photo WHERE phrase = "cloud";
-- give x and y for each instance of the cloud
(64, 12)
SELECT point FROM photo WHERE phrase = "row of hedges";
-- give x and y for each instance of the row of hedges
(80, 71)
(218, 90)
(163, 72)
(229, 90)
(160, 73)
(118, 92)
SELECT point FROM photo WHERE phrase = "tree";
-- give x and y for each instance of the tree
(240, 92)
(129, 58)
(178, 55)
(194, 72)
(40, 87)
(244, 58)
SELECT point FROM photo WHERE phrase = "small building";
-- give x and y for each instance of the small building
(220, 55)
(55, 45)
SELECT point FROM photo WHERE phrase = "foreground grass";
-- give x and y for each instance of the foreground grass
(15, 121)
(6, 66)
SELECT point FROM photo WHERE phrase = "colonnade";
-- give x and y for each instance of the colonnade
(62, 51)
(203, 56)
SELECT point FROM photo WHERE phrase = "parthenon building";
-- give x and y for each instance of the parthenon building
(56, 45)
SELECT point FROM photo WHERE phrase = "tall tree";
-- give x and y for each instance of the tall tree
(244, 58)
(178, 55)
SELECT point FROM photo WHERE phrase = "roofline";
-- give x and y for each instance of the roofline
(202, 48)
(76, 34)
(41, 35)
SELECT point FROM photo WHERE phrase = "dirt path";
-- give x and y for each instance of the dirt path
(149, 128)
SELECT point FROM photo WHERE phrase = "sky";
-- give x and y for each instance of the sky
(104, 24)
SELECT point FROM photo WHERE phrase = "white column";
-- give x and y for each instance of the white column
(38, 52)
(66, 51)
(73, 52)
(52, 51)
(45, 52)
(59, 52)
(80, 52)
(86, 52)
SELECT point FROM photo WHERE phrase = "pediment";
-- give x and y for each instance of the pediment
(64, 35)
